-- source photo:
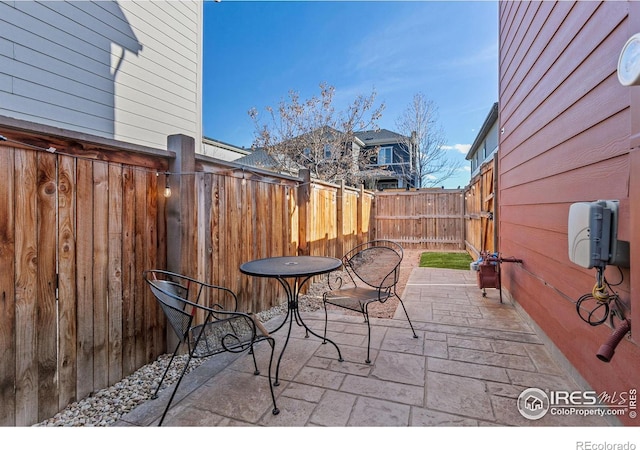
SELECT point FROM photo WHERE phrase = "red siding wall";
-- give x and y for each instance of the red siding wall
(566, 136)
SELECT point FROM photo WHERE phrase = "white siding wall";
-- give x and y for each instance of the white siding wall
(128, 70)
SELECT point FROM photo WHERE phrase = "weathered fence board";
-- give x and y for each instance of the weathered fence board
(129, 274)
(114, 276)
(10, 296)
(84, 277)
(46, 321)
(25, 280)
(67, 360)
(100, 264)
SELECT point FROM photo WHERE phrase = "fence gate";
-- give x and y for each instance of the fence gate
(480, 210)
(423, 219)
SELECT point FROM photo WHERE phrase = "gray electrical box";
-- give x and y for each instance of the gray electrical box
(593, 235)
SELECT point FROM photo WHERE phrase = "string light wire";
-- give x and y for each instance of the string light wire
(150, 171)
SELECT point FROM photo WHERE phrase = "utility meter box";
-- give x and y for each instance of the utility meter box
(593, 235)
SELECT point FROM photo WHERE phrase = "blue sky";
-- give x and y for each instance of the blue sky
(256, 52)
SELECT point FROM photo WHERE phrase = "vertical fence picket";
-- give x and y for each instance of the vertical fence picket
(129, 275)
(100, 271)
(7, 288)
(84, 276)
(67, 360)
(48, 392)
(114, 275)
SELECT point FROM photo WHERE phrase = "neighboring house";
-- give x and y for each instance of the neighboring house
(486, 142)
(222, 150)
(122, 70)
(569, 132)
(258, 158)
(393, 165)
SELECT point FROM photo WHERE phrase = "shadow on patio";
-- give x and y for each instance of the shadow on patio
(473, 358)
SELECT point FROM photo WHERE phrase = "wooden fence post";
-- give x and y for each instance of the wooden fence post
(360, 217)
(341, 194)
(181, 229)
(304, 197)
(180, 207)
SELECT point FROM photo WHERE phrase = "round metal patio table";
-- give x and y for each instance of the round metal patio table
(292, 272)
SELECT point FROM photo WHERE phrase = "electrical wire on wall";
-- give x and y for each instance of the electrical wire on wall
(602, 302)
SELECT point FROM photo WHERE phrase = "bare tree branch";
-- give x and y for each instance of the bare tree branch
(312, 134)
(419, 122)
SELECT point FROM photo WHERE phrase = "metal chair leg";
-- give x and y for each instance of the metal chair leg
(326, 319)
(408, 320)
(366, 317)
(175, 352)
(275, 411)
(255, 363)
(166, 409)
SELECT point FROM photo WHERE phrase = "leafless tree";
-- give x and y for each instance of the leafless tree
(312, 134)
(425, 137)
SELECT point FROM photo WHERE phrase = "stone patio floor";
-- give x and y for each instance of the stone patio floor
(473, 357)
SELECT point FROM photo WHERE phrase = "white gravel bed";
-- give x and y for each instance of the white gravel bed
(105, 407)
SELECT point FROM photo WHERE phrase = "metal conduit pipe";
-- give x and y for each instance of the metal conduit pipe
(606, 351)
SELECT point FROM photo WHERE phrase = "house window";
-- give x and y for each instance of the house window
(327, 150)
(385, 155)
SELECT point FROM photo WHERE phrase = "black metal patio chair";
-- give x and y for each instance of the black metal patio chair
(373, 269)
(196, 312)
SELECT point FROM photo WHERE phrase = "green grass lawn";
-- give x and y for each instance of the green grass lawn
(446, 260)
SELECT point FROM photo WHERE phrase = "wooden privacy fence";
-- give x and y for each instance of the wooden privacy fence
(480, 211)
(427, 218)
(80, 221)
(245, 214)
(80, 224)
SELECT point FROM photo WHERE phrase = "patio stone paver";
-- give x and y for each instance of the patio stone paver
(400, 367)
(293, 413)
(226, 395)
(470, 370)
(492, 358)
(423, 417)
(320, 377)
(473, 357)
(303, 392)
(371, 412)
(458, 395)
(436, 349)
(334, 409)
(387, 390)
